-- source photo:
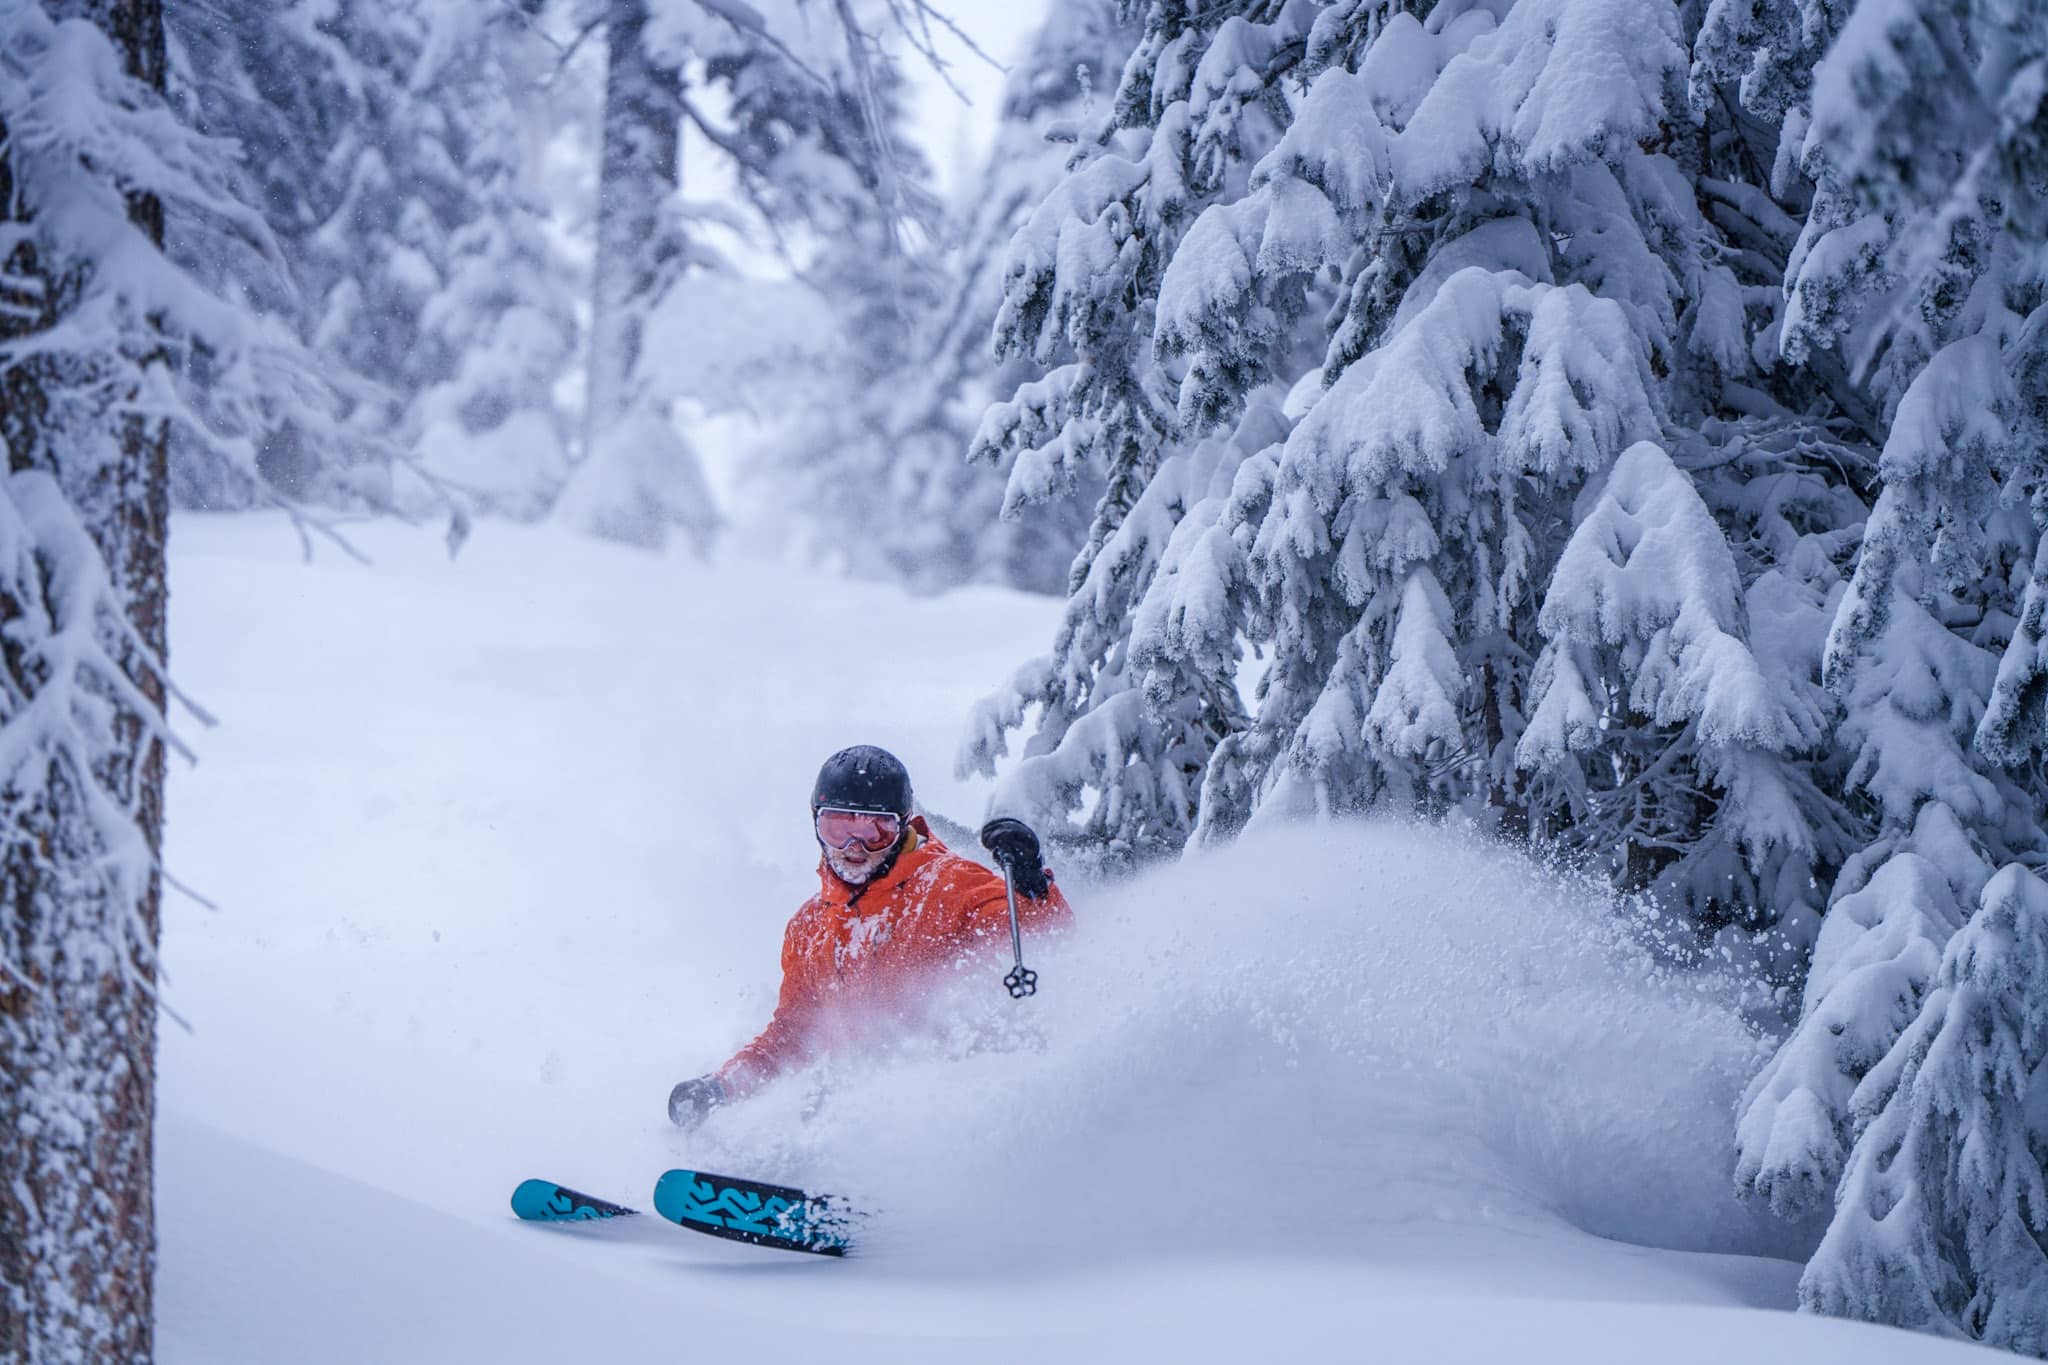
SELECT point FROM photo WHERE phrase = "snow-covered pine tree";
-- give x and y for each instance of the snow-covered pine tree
(500, 331)
(1070, 70)
(1123, 741)
(849, 451)
(382, 140)
(95, 322)
(876, 470)
(638, 479)
(878, 458)
(1895, 907)
(1480, 273)
(1753, 66)
(382, 247)
(1925, 262)
(1924, 266)
(1912, 696)
(1943, 1210)
(796, 103)
(263, 85)
(1652, 715)
(1138, 730)
(319, 96)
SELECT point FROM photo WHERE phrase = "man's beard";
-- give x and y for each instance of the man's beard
(854, 876)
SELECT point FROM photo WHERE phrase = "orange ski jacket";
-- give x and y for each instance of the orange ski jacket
(857, 955)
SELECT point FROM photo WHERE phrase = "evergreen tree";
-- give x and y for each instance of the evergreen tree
(95, 326)
(382, 140)
(1477, 274)
(638, 477)
(1875, 961)
(1924, 265)
(1624, 424)
(499, 332)
(1944, 1208)
(1081, 285)
(877, 457)
(800, 113)
(1652, 714)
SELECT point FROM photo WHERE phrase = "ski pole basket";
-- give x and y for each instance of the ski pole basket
(1021, 981)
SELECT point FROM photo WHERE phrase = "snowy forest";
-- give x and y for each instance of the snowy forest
(1500, 546)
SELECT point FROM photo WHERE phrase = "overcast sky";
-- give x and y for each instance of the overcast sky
(954, 134)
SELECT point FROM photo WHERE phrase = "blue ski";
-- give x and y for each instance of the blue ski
(543, 1201)
(752, 1211)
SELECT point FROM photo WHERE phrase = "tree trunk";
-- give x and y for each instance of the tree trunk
(78, 1015)
(640, 165)
(638, 478)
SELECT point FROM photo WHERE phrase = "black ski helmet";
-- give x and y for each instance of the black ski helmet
(863, 778)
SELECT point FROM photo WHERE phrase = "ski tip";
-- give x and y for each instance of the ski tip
(751, 1211)
(531, 1199)
(543, 1201)
(671, 1188)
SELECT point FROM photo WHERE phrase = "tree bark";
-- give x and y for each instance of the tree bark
(78, 1018)
(640, 164)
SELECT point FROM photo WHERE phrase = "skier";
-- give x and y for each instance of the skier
(894, 908)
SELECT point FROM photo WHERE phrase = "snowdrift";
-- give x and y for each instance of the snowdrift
(1294, 1044)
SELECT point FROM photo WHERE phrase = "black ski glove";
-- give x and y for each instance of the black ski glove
(1015, 849)
(690, 1103)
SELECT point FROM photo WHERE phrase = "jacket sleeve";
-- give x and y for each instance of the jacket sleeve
(787, 1041)
(1049, 911)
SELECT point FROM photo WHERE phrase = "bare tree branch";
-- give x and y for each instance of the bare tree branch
(754, 28)
(568, 51)
(919, 36)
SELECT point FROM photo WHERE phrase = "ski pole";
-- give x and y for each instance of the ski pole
(1022, 981)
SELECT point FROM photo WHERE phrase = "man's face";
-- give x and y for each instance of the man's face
(857, 842)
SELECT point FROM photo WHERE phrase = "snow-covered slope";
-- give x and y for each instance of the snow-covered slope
(266, 1259)
(504, 847)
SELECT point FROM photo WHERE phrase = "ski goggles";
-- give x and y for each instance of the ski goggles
(873, 830)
